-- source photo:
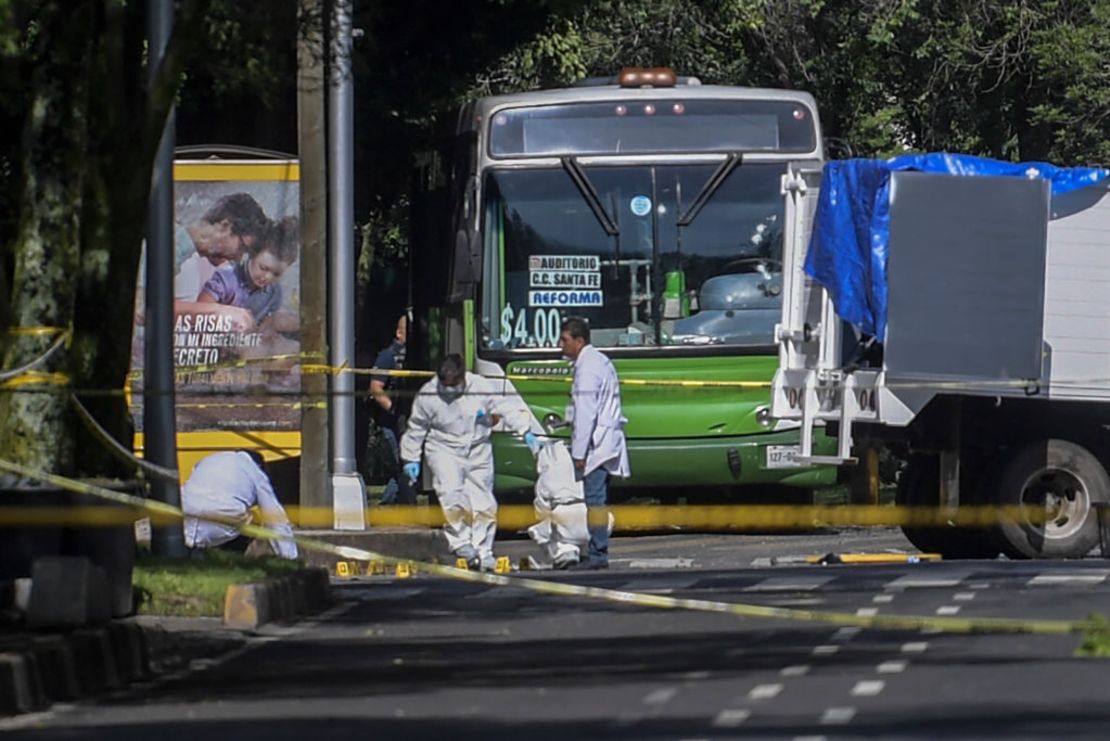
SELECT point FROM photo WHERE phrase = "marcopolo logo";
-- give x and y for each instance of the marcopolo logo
(565, 298)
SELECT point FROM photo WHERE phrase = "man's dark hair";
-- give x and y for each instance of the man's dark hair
(242, 212)
(451, 368)
(577, 327)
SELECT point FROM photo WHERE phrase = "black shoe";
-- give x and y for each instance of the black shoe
(588, 565)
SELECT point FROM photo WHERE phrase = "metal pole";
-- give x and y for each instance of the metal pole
(159, 423)
(348, 491)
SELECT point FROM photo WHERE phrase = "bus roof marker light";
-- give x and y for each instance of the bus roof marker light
(799, 114)
(678, 109)
(649, 110)
(621, 110)
(649, 77)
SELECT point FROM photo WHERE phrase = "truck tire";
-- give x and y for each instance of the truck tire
(919, 486)
(1062, 479)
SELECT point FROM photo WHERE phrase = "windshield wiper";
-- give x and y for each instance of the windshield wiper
(589, 194)
(711, 186)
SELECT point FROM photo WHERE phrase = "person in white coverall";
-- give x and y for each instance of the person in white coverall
(227, 485)
(560, 505)
(450, 423)
(597, 439)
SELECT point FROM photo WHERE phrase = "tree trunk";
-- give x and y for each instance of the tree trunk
(36, 423)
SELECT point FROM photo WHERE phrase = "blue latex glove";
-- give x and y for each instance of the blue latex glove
(412, 470)
(532, 442)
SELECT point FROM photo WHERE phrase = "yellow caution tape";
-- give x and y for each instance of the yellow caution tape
(37, 378)
(628, 518)
(895, 622)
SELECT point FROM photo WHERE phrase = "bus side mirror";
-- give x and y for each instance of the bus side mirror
(465, 267)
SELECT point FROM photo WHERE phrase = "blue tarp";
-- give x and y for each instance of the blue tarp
(848, 249)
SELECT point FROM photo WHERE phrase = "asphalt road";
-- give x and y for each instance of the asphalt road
(425, 658)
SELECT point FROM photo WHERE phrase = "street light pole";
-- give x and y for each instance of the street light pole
(349, 493)
(159, 421)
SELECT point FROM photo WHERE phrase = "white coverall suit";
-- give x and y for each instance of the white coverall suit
(455, 442)
(560, 506)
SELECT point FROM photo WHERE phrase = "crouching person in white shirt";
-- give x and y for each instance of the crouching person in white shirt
(225, 486)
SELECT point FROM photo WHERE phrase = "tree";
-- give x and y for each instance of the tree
(74, 76)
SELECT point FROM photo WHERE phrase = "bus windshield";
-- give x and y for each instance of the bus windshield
(654, 283)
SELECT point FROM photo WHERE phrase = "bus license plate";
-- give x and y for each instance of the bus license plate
(783, 456)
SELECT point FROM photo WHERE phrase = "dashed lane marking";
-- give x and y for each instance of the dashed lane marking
(867, 611)
(892, 667)
(826, 650)
(882, 599)
(764, 691)
(963, 596)
(731, 718)
(790, 584)
(837, 716)
(660, 696)
(847, 633)
(917, 581)
(868, 687)
(948, 609)
(797, 670)
(1050, 580)
(915, 647)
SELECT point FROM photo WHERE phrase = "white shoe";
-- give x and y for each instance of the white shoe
(488, 563)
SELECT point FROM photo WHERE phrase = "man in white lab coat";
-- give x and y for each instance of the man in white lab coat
(226, 485)
(450, 422)
(597, 441)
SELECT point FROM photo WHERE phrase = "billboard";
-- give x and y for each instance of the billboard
(236, 336)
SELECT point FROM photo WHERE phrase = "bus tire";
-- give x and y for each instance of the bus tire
(1060, 478)
(919, 487)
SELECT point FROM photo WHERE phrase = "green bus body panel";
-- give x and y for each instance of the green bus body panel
(677, 435)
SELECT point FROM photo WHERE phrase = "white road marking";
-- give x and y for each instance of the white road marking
(963, 596)
(731, 718)
(658, 563)
(789, 584)
(919, 581)
(978, 585)
(868, 687)
(798, 670)
(824, 650)
(660, 696)
(915, 647)
(695, 676)
(892, 667)
(1085, 577)
(882, 598)
(810, 738)
(658, 584)
(948, 609)
(867, 611)
(764, 691)
(837, 716)
(846, 633)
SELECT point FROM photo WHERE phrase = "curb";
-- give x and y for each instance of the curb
(248, 606)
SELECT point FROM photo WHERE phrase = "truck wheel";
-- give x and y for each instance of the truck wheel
(1057, 480)
(919, 486)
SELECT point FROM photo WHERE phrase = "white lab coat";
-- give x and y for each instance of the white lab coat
(455, 443)
(560, 505)
(595, 415)
(226, 485)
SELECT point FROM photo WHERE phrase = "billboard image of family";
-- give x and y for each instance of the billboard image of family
(236, 335)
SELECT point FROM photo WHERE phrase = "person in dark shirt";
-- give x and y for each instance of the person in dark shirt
(389, 416)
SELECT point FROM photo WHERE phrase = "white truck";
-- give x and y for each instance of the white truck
(992, 372)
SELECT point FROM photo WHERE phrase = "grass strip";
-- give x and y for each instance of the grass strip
(195, 587)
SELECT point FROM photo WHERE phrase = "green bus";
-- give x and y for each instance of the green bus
(651, 205)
